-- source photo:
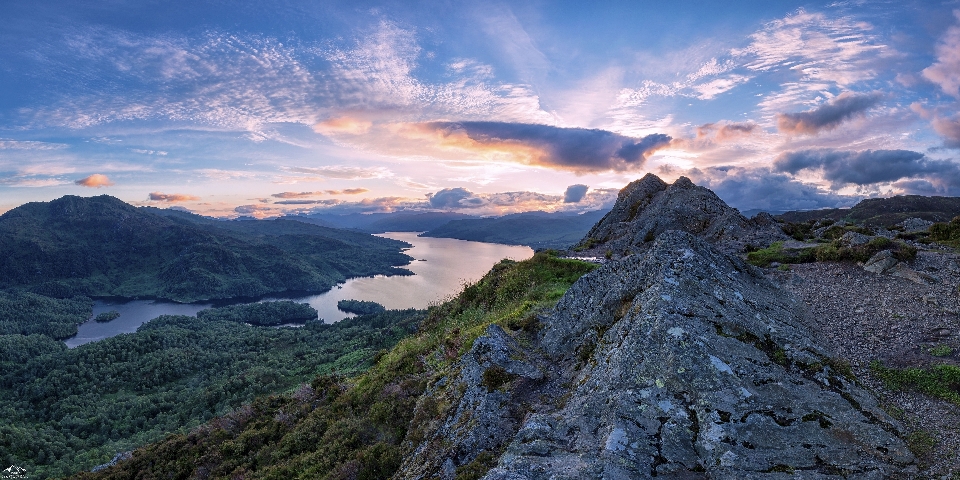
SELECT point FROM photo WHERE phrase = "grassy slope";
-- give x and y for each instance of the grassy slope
(101, 246)
(353, 428)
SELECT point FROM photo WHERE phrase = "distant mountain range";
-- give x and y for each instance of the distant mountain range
(885, 211)
(101, 246)
(383, 222)
(537, 230)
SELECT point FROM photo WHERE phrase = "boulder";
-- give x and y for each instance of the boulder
(881, 262)
(852, 239)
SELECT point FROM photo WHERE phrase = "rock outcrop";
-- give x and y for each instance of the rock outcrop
(683, 362)
(649, 207)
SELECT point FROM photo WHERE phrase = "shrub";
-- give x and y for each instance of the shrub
(942, 381)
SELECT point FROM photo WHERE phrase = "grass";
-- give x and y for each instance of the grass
(941, 351)
(941, 381)
(947, 233)
(829, 252)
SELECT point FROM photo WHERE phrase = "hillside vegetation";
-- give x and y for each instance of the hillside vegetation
(339, 427)
(101, 246)
(885, 211)
(66, 410)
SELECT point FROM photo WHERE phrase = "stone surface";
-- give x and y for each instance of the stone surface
(915, 225)
(682, 362)
(649, 207)
(880, 262)
(852, 239)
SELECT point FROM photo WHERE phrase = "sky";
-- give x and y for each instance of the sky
(241, 108)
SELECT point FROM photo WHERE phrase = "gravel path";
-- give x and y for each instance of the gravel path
(864, 316)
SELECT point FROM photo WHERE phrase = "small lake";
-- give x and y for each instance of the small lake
(441, 267)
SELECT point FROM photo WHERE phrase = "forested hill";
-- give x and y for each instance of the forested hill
(885, 211)
(535, 229)
(101, 246)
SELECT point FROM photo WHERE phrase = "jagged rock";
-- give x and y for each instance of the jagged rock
(881, 262)
(681, 363)
(852, 239)
(915, 225)
(649, 207)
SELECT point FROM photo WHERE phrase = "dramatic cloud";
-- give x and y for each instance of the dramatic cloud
(868, 166)
(577, 149)
(760, 188)
(575, 193)
(94, 181)
(827, 116)
(172, 197)
(946, 71)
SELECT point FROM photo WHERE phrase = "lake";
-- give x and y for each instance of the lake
(441, 267)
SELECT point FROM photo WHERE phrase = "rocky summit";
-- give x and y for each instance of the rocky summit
(677, 360)
(649, 207)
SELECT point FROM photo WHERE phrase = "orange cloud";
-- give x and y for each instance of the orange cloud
(340, 125)
(172, 197)
(350, 191)
(94, 181)
(296, 194)
(575, 149)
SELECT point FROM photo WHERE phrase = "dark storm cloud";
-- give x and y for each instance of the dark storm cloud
(827, 116)
(574, 193)
(765, 189)
(866, 167)
(578, 149)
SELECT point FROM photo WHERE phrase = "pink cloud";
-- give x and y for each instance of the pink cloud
(946, 71)
(172, 197)
(94, 181)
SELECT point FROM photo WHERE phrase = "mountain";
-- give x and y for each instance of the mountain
(649, 207)
(680, 362)
(537, 230)
(384, 222)
(885, 211)
(101, 246)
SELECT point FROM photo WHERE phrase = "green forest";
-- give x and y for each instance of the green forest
(66, 410)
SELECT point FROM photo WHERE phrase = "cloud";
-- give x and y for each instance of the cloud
(258, 211)
(949, 129)
(340, 125)
(574, 193)
(172, 197)
(576, 149)
(451, 198)
(346, 191)
(869, 166)
(827, 116)
(94, 181)
(296, 194)
(8, 144)
(946, 71)
(307, 202)
(761, 188)
(343, 172)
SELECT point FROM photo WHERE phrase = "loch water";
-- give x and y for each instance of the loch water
(441, 267)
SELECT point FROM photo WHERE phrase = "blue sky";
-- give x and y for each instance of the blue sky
(265, 108)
